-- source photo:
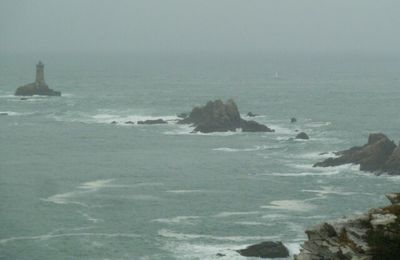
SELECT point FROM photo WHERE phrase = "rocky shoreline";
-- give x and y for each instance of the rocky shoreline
(374, 235)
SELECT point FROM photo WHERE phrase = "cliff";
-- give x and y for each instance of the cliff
(374, 235)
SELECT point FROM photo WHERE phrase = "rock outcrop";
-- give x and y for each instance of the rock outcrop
(379, 155)
(216, 116)
(251, 114)
(266, 249)
(152, 122)
(302, 135)
(293, 120)
(373, 235)
(39, 87)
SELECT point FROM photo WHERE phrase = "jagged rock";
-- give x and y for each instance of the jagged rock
(266, 249)
(39, 87)
(152, 122)
(302, 135)
(293, 120)
(216, 116)
(379, 154)
(250, 114)
(394, 198)
(373, 235)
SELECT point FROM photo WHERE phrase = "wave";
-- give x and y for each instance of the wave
(87, 187)
(252, 223)
(290, 205)
(182, 236)
(12, 113)
(330, 190)
(185, 191)
(302, 174)
(52, 236)
(185, 220)
(225, 214)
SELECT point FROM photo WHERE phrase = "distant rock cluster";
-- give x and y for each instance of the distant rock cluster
(379, 155)
(217, 116)
(373, 235)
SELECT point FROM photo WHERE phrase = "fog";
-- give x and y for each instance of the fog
(173, 26)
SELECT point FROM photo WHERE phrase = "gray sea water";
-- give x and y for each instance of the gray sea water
(73, 186)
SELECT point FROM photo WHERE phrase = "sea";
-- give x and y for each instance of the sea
(75, 186)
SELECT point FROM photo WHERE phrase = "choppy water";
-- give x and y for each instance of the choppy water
(73, 186)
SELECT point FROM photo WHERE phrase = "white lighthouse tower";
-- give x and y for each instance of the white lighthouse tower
(40, 74)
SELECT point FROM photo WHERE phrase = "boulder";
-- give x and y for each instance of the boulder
(152, 122)
(266, 249)
(217, 116)
(378, 155)
(302, 135)
(293, 120)
(250, 114)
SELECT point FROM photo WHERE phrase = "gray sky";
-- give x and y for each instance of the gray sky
(200, 26)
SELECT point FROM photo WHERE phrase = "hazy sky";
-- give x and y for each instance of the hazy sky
(199, 25)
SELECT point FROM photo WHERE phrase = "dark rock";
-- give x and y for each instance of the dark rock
(266, 249)
(183, 115)
(129, 122)
(220, 255)
(303, 136)
(253, 126)
(113, 122)
(250, 114)
(216, 116)
(379, 154)
(23, 98)
(39, 87)
(152, 122)
(373, 235)
(293, 120)
(3, 114)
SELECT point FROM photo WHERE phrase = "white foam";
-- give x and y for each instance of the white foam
(52, 236)
(330, 190)
(318, 124)
(225, 214)
(182, 236)
(290, 205)
(185, 220)
(12, 113)
(302, 174)
(185, 191)
(293, 248)
(87, 187)
(252, 223)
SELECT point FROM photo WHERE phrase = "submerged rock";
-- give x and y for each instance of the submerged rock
(39, 87)
(266, 249)
(379, 155)
(373, 235)
(3, 114)
(152, 122)
(114, 122)
(293, 120)
(216, 116)
(302, 135)
(129, 122)
(250, 114)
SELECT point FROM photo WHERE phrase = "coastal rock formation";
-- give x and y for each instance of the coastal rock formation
(302, 135)
(266, 249)
(373, 235)
(216, 116)
(39, 87)
(379, 155)
(152, 122)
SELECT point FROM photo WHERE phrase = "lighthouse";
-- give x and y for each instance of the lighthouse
(40, 74)
(39, 87)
